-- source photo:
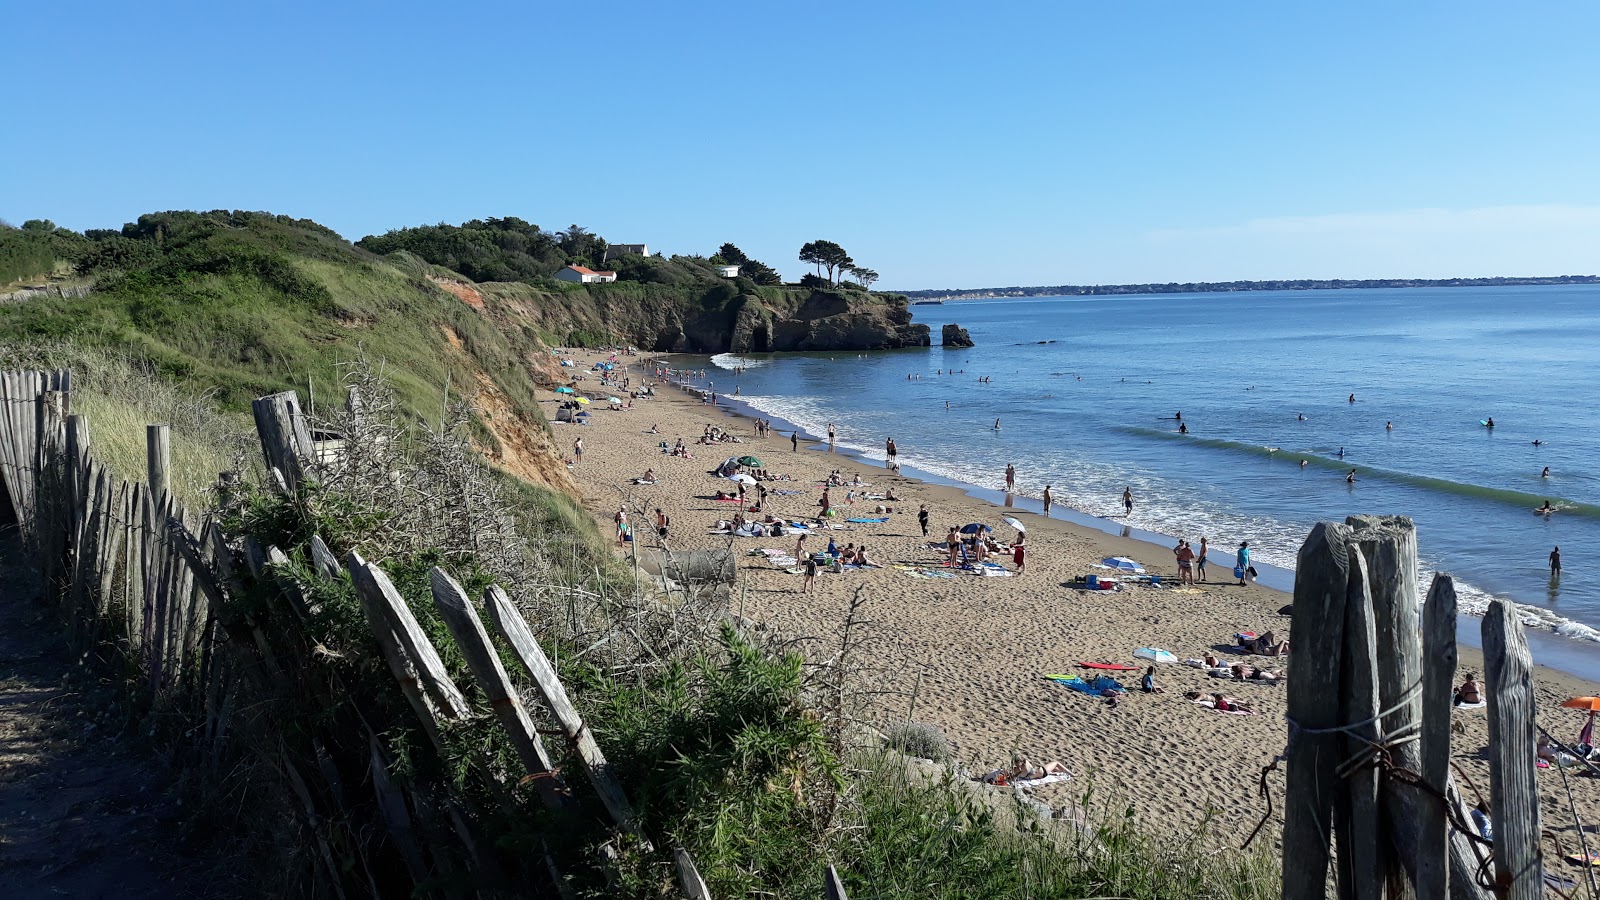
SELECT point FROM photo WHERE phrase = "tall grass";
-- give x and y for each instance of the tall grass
(119, 395)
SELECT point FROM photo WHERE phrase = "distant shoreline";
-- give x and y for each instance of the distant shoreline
(1223, 287)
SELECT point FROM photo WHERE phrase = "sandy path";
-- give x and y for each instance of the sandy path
(982, 645)
(83, 813)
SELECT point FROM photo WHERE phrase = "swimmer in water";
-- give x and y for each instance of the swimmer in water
(1388, 426)
(1341, 453)
(1546, 509)
(1179, 416)
(1545, 473)
(1537, 442)
(1489, 422)
(1352, 398)
(996, 424)
(1183, 428)
(1300, 418)
(1302, 464)
(1350, 478)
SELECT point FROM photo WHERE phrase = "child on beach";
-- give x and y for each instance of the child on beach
(1019, 554)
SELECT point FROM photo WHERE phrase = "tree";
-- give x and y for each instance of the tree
(864, 277)
(827, 255)
(810, 254)
(732, 255)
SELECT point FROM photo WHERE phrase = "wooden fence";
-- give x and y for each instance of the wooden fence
(1369, 707)
(207, 623)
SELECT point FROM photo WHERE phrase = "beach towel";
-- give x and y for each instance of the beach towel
(1233, 712)
(868, 520)
(786, 493)
(1201, 664)
(1112, 667)
(1479, 705)
(1099, 686)
(1035, 782)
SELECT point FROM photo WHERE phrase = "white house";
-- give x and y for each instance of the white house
(728, 271)
(582, 275)
(615, 250)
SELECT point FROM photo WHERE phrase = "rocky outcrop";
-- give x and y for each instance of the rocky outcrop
(830, 321)
(954, 335)
(718, 318)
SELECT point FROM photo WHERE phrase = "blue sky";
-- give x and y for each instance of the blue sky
(943, 144)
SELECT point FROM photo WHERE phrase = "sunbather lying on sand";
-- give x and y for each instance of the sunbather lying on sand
(1267, 645)
(1219, 702)
(1242, 672)
(1023, 770)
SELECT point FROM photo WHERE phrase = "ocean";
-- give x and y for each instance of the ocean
(1086, 390)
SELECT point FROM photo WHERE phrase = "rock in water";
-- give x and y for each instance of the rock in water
(954, 335)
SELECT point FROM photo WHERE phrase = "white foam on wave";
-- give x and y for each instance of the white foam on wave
(1272, 541)
(731, 361)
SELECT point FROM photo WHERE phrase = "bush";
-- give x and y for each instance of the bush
(921, 740)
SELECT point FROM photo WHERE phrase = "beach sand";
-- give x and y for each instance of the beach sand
(976, 650)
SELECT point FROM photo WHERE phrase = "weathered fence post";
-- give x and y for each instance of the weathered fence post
(285, 438)
(508, 621)
(1435, 856)
(1320, 585)
(833, 885)
(382, 600)
(473, 641)
(1358, 809)
(1508, 670)
(694, 887)
(158, 461)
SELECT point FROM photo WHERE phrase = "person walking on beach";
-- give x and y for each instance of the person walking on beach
(1241, 561)
(889, 448)
(1047, 499)
(830, 434)
(662, 521)
(794, 442)
(800, 548)
(1011, 478)
(1200, 564)
(577, 451)
(1555, 563)
(952, 542)
(1127, 500)
(922, 519)
(810, 583)
(1019, 553)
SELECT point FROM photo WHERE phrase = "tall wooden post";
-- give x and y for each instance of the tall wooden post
(158, 461)
(1508, 671)
(286, 441)
(1320, 586)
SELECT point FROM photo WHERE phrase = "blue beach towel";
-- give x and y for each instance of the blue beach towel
(1096, 687)
(884, 519)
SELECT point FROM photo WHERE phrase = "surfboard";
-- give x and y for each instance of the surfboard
(1109, 667)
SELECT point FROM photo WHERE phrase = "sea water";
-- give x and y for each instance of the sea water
(1086, 391)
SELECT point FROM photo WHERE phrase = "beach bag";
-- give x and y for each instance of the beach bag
(1238, 573)
(1252, 571)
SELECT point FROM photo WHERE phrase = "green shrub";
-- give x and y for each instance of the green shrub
(921, 740)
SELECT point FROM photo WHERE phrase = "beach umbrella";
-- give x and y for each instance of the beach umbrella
(1592, 704)
(565, 390)
(1121, 564)
(975, 528)
(1014, 523)
(742, 478)
(583, 400)
(749, 461)
(612, 400)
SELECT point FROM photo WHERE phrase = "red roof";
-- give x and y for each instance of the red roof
(585, 271)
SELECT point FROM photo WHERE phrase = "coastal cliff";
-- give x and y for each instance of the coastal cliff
(725, 316)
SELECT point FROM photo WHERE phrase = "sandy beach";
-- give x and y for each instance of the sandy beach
(976, 649)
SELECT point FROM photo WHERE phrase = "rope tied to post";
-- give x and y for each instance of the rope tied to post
(1377, 752)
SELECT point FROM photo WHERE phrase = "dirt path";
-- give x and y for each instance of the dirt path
(83, 812)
